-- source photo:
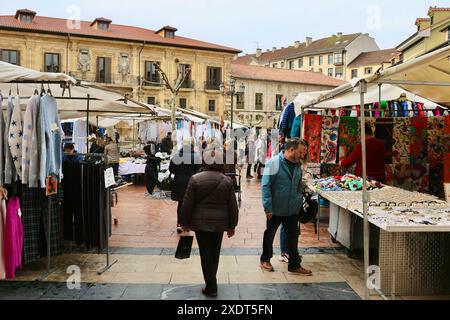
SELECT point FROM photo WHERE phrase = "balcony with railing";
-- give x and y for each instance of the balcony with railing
(212, 85)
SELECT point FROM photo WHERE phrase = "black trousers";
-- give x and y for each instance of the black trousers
(290, 225)
(151, 179)
(210, 244)
(249, 170)
(179, 212)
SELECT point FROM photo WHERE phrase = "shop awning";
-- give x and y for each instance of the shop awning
(426, 77)
(351, 97)
(13, 73)
(73, 104)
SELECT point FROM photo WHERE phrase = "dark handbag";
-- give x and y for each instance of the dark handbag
(184, 247)
(309, 209)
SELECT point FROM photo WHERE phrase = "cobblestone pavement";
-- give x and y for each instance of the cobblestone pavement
(144, 242)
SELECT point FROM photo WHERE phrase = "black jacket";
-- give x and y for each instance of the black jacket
(166, 145)
(210, 203)
(183, 173)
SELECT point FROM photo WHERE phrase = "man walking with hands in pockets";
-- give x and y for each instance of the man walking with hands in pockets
(282, 200)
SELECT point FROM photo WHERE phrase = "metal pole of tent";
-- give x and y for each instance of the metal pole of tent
(49, 225)
(365, 200)
(134, 133)
(87, 121)
(108, 227)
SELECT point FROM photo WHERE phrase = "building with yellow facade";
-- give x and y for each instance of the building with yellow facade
(368, 63)
(329, 56)
(432, 33)
(120, 57)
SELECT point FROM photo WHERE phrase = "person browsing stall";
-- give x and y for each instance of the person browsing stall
(376, 157)
(282, 199)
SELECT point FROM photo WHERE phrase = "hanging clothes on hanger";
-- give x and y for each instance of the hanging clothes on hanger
(2, 141)
(13, 238)
(10, 169)
(30, 152)
(3, 198)
(51, 136)
(16, 137)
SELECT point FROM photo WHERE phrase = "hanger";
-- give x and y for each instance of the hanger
(42, 89)
(36, 91)
(49, 91)
(10, 89)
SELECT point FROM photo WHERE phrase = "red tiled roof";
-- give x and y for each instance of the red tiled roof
(330, 44)
(434, 9)
(282, 75)
(115, 32)
(247, 59)
(373, 58)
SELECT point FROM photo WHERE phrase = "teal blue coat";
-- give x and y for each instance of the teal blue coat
(281, 191)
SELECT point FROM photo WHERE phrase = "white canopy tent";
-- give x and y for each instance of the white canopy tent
(352, 98)
(427, 76)
(12, 73)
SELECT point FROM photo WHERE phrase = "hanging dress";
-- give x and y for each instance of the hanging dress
(13, 238)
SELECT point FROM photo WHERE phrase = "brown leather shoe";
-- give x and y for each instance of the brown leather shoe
(301, 271)
(267, 266)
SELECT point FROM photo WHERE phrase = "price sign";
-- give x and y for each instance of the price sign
(51, 185)
(109, 178)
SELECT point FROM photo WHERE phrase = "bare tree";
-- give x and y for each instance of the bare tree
(182, 76)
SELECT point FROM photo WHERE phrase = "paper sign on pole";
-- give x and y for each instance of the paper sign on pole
(447, 191)
(109, 178)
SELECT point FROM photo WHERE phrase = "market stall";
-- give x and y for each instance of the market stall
(411, 252)
(36, 103)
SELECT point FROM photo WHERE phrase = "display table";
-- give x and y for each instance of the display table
(412, 237)
(129, 168)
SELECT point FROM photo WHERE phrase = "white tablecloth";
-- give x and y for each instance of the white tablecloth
(128, 168)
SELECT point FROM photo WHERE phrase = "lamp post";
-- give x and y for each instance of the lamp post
(232, 92)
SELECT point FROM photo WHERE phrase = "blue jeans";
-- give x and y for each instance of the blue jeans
(283, 240)
(290, 225)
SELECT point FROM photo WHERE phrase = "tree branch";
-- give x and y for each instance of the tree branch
(164, 76)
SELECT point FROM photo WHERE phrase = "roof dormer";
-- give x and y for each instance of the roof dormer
(422, 23)
(25, 15)
(101, 24)
(167, 32)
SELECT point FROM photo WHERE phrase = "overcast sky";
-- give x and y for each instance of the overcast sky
(246, 24)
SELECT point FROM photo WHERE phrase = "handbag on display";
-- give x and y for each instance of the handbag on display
(309, 209)
(184, 247)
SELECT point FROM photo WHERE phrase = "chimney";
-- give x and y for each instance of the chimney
(297, 44)
(308, 41)
(258, 52)
(274, 49)
(339, 34)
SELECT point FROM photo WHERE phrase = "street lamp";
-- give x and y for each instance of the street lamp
(232, 92)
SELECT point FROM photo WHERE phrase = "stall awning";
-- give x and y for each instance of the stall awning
(13, 73)
(426, 77)
(351, 97)
(102, 102)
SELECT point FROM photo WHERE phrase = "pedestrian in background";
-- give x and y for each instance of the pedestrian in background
(113, 154)
(186, 165)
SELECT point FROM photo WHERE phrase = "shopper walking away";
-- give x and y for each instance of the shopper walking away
(184, 165)
(210, 209)
(113, 154)
(282, 200)
(167, 144)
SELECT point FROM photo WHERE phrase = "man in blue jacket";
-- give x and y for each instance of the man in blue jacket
(282, 200)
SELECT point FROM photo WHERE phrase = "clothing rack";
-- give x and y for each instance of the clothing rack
(103, 158)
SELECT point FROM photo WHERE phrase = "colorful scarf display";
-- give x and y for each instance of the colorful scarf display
(437, 180)
(436, 142)
(389, 174)
(348, 135)
(313, 134)
(401, 138)
(418, 152)
(402, 176)
(384, 131)
(330, 131)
